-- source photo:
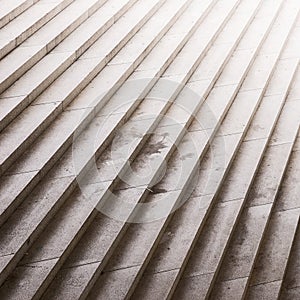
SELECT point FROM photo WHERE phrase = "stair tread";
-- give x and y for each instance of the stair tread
(68, 117)
(36, 12)
(291, 279)
(160, 261)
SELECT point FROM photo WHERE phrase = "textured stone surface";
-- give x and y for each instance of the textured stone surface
(205, 169)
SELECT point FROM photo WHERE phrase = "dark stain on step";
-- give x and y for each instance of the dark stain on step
(149, 149)
(154, 148)
(156, 190)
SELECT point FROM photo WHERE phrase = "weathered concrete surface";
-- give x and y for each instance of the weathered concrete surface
(149, 149)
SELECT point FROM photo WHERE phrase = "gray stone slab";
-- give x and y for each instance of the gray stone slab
(69, 283)
(265, 117)
(182, 230)
(246, 163)
(28, 277)
(269, 177)
(268, 291)
(114, 285)
(241, 112)
(25, 222)
(287, 126)
(242, 251)
(209, 248)
(229, 290)
(11, 187)
(192, 288)
(295, 91)
(273, 256)
(292, 277)
(290, 294)
(155, 286)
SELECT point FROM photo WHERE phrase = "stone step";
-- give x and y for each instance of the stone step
(291, 282)
(242, 251)
(206, 270)
(67, 87)
(43, 146)
(94, 269)
(155, 164)
(168, 261)
(27, 54)
(163, 274)
(28, 170)
(26, 24)
(285, 208)
(28, 163)
(89, 207)
(103, 290)
(267, 276)
(12, 9)
(24, 91)
(199, 274)
(155, 154)
(248, 236)
(72, 179)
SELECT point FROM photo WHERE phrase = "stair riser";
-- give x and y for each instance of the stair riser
(289, 258)
(25, 102)
(64, 241)
(93, 214)
(267, 224)
(228, 167)
(195, 168)
(167, 221)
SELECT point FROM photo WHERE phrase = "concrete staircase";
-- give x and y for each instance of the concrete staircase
(149, 149)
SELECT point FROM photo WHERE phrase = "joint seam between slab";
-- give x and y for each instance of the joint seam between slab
(162, 271)
(123, 268)
(198, 275)
(266, 282)
(287, 209)
(293, 288)
(30, 264)
(233, 279)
